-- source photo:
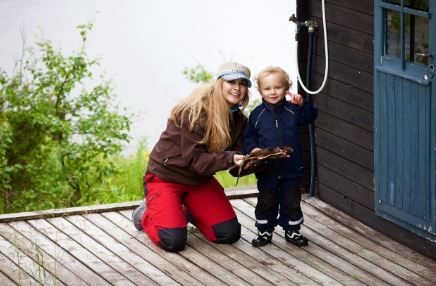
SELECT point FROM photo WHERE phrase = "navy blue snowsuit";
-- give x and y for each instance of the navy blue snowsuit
(279, 184)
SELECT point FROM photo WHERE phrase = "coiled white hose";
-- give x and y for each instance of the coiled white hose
(326, 51)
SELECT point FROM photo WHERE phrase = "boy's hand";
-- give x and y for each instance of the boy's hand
(294, 98)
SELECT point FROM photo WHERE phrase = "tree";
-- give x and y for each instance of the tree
(58, 125)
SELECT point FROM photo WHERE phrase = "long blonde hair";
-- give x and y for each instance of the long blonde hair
(208, 110)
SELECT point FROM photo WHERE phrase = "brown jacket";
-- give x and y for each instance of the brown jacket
(178, 157)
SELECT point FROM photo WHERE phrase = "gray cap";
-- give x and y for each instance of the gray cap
(232, 71)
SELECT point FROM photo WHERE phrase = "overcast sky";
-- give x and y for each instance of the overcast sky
(145, 44)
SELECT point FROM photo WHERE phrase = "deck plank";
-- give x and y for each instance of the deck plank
(127, 262)
(15, 273)
(268, 259)
(120, 228)
(6, 281)
(225, 261)
(62, 256)
(298, 262)
(37, 254)
(101, 251)
(371, 234)
(336, 274)
(85, 256)
(123, 220)
(202, 260)
(250, 262)
(366, 259)
(399, 264)
(98, 245)
(24, 262)
(390, 272)
(328, 249)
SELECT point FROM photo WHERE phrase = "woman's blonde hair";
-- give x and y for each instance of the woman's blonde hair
(208, 110)
(270, 70)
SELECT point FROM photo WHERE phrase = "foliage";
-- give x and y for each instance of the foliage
(124, 185)
(197, 74)
(251, 105)
(228, 181)
(61, 134)
(58, 127)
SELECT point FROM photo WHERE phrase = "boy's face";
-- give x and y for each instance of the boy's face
(273, 88)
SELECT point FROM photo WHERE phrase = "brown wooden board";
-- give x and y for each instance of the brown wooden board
(345, 149)
(346, 168)
(344, 16)
(347, 188)
(345, 92)
(346, 112)
(364, 6)
(346, 36)
(356, 135)
(359, 60)
(346, 74)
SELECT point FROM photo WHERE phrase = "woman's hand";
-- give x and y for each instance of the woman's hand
(238, 159)
(295, 98)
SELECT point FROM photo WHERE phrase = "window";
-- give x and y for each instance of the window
(406, 31)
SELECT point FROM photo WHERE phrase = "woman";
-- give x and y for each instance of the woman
(204, 135)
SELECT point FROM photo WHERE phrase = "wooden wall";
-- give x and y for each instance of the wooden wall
(344, 128)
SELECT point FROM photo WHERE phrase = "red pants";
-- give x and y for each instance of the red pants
(168, 204)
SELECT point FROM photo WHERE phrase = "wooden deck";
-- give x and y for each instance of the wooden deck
(98, 245)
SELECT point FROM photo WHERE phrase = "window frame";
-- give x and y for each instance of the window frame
(393, 65)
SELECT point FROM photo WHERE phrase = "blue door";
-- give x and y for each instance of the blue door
(405, 113)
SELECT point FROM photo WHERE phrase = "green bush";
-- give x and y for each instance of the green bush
(59, 125)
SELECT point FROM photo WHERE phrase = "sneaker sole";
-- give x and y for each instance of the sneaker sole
(139, 211)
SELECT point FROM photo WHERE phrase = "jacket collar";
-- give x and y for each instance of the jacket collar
(276, 107)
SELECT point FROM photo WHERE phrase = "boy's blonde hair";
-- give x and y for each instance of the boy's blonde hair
(208, 110)
(270, 70)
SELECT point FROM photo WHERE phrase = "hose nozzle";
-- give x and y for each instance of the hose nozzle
(311, 25)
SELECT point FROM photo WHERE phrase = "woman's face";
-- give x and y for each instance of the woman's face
(234, 91)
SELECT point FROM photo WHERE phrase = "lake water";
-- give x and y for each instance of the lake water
(145, 44)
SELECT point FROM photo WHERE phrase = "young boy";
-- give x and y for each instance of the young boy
(275, 123)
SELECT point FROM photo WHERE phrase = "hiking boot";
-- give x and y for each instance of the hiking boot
(137, 216)
(262, 239)
(295, 237)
